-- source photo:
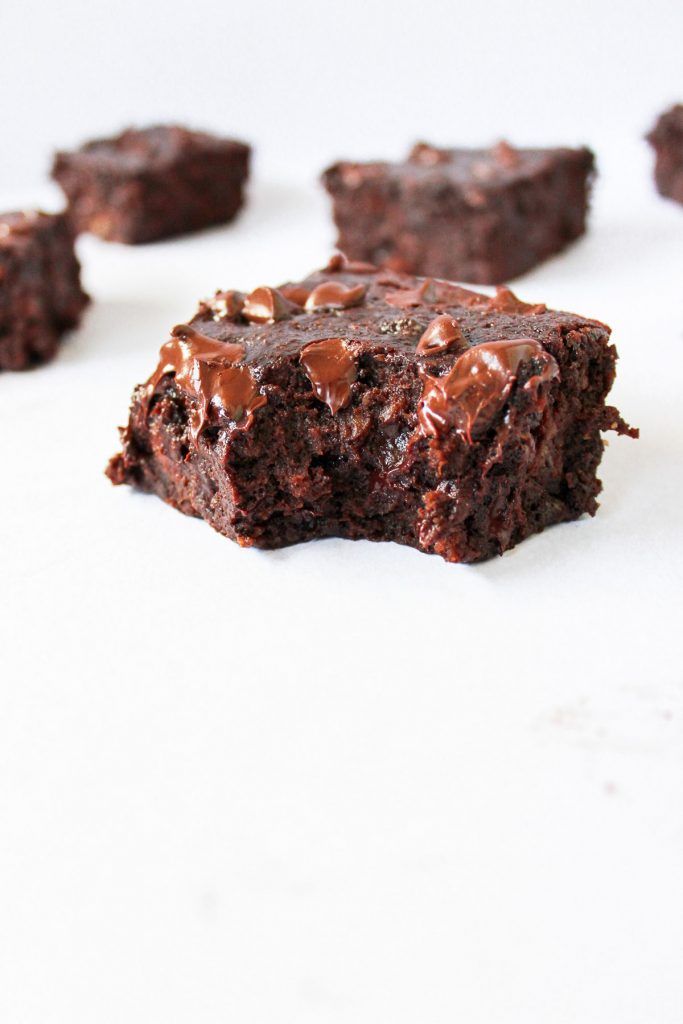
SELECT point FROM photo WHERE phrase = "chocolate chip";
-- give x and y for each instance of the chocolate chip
(331, 369)
(428, 156)
(424, 295)
(265, 305)
(334, 295)
(225, 305)
(339, 262)
(505, 154)
(505, 301)
(442, 335)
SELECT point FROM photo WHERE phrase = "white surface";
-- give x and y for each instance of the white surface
(340, 782)
(312, 81)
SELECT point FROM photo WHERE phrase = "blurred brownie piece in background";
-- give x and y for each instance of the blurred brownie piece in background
(375, 405)
(152, 183)
(666, 138)
(40, 290)
(478, 215)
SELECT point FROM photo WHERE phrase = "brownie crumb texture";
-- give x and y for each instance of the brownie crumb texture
(666, 138)
(40, 291)
(371, 404)
(153, 183)
(478, 215)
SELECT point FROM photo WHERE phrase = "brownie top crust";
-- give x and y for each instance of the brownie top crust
(158, 146)
(468, 349)
(495, 167)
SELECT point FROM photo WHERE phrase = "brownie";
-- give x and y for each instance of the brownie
(153, 183)
(478, 215)
(666, 139)
(40, 290)
(375, 405)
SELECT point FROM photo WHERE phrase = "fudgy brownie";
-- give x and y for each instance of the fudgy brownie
(666, 139)
(364, 404)
(153, 183)
(40, 289)
(478, 215)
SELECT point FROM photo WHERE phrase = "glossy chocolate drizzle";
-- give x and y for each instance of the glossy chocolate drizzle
(206, 369)
(331, 369)
(442, 335)
(469, 397)
(334, 295)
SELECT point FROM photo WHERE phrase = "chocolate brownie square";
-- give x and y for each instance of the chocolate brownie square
(478, 215)
(153, 183)
(40, 290)
(363, 404)
(666, 138)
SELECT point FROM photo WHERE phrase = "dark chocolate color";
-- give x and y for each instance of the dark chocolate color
(345, 428)
(666, 139)
(479, 215)
(40, 290)
(152, 183)
(208, 370)
(469, 397)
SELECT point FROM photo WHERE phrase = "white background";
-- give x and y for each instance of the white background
(340, 782)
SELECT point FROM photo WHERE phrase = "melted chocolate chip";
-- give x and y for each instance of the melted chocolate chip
(448, 294)
(296, 293)
(428, 156)
(225, 305)
(265, 305)
(470, 396)
(505, 301)
(442, 335)
(339, 262)
(424, 295)
(206, 346)
(505, 154)
(334, 295)
(205, 369)
(331, 369)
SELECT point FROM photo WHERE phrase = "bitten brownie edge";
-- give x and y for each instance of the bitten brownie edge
(365, 404)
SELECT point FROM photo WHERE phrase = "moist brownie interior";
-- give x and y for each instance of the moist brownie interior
(363, 404)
